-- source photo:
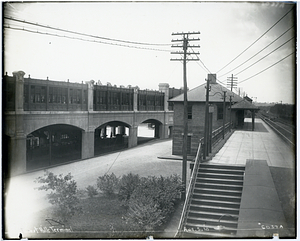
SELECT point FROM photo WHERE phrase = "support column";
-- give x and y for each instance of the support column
(135, 99)
(113, 131)
(17, 145)
(163, 131)
(157, 131)
(122, 130)
(164, 87)
(17, 153)
(87, 144)
(132, 140)
(19, 94)
(90, 96)
(253, 120)
(103, 134)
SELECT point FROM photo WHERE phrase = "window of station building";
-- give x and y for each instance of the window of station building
(219, 112)
(190, 111)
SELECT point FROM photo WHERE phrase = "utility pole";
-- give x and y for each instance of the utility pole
(224, 113)
(206, 123)
(185, 45)
(232, 81)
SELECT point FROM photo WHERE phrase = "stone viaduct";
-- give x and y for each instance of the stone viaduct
(30, 105)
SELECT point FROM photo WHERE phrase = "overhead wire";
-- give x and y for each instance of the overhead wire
(265, 56)
(87, 40)
(205, 68)
(267, 68)
(83, 34)
(257, 52)
(257, 39)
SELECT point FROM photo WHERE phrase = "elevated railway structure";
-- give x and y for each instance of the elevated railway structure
(49, 122)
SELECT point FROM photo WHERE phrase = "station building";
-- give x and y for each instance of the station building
(235, 109)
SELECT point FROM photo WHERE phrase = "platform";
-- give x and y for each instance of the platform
(261, 144)
(268, 200)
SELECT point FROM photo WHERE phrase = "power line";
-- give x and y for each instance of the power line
(257, 52)
(267, 68)
(264, 56)
(258, 39)
(83, 34)
(87, 40)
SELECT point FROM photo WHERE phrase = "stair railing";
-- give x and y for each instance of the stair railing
(198, 159)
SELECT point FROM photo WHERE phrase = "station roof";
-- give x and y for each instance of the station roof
(244, 105)
(216, 94)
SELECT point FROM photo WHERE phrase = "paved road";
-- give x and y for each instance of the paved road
(22, 199)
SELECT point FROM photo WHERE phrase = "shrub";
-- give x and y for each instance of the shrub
(108, 184)
(127, 185)
(91, 191)
(144, 212)
(63, 193)
(153, 199)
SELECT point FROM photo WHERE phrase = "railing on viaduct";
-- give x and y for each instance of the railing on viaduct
(48, 95)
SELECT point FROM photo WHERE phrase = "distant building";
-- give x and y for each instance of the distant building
(196, 113)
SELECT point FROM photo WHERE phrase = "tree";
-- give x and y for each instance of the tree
(63, 193)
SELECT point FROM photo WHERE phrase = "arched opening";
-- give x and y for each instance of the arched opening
(149, 130)
(111, 136)
(53, 145)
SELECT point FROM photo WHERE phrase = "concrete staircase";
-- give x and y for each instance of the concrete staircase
(213, 209)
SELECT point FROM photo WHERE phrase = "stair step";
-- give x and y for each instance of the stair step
(222, 171)
(212, 215)
(236, 193)
(220, 176)
(214, 209)
(218, 186)
(216, 166)
(216, 197)
(212, 222)
(216, 203)
(220, 181)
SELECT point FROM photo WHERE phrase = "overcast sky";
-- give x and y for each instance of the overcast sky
(227, 29)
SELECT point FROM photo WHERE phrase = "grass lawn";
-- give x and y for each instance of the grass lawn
(101, 217)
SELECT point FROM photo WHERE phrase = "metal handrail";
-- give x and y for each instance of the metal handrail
(198, 158)
(216, 133)
(192, 182)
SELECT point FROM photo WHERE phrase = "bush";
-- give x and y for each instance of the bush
(91, 191)
(108, 184)
(144, 212)
(153, 199)
(63, 193)
(127, 185)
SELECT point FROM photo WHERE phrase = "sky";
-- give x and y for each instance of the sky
(234, 36)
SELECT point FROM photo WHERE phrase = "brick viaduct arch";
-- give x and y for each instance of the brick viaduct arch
(22, 117)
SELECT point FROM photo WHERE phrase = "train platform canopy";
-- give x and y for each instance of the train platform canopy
(244, 105)
(198, 94)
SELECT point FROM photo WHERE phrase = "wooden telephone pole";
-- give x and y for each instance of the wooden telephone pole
(185, 45)
(231, 82)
